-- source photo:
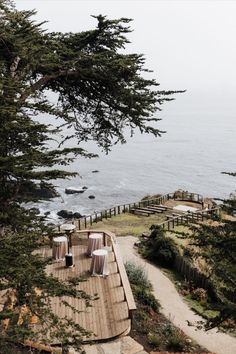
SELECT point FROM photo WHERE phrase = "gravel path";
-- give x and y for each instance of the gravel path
(174, 307)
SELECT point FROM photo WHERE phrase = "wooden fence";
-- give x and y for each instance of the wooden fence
(190, 273)
(85, 221)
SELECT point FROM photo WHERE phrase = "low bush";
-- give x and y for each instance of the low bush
(159, 248)
(199, 294)
(168, 329)
(176, 343)
(137, 275)
(154, 340)
(141, 286)
(145, 297)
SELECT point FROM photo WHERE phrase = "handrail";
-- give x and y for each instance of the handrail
(84, 221)
(128, 295)
(191, 216)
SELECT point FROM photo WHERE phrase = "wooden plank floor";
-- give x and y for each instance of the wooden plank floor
(108, 315)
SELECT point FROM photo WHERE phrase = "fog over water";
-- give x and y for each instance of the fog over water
(189, 45)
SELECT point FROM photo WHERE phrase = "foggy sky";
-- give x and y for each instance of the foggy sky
(188, 44)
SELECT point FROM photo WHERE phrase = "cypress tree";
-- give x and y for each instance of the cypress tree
(88, 89)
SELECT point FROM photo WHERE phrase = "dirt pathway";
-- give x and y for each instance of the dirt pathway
(174, 307)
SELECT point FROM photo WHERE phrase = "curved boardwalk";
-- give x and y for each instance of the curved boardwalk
(108, 317)
(174, 307)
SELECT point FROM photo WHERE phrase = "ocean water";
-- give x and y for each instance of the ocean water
(197, 147)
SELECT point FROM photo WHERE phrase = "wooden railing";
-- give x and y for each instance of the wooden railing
(89, 220)
(199, 215)
(109, 238)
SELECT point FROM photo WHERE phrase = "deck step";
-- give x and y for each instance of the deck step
(154, 210)
(140, 211)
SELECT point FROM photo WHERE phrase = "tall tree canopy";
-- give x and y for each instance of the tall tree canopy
(98, 91)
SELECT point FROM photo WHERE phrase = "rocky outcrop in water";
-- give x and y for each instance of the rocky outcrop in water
(67, 214)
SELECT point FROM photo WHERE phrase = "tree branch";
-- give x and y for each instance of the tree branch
(14, 66)
(43, 81)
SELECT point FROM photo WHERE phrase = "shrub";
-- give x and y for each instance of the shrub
(158, 248)
(176, 343)
(140, 316)
(154, 340)
(199, 294)
(137, 275)
(141, 286)
(145, 297)
(168, 329)
(140, 321)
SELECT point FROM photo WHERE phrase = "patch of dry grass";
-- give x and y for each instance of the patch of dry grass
(182, 242)
(128, 224)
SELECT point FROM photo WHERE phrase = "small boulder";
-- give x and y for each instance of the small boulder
(73, 190)
(95, 171)
(47, 213)
(85, 188)
(66, 214)
(77, 215)
(91, 197)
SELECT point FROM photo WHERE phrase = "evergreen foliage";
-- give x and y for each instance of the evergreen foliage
(99, 92)
(216, 245)
(159, 248)
(88, 89)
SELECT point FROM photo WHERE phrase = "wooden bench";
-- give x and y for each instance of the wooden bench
(160, 207)
(154, 210)
(141, 211)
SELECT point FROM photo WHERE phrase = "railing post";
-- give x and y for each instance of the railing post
(104, 239)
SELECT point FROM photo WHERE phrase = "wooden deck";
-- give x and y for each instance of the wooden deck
(109, 316)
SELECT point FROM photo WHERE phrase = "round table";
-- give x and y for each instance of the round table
(59, 247)
(94, 243)
(99, 264)
(68, 228)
